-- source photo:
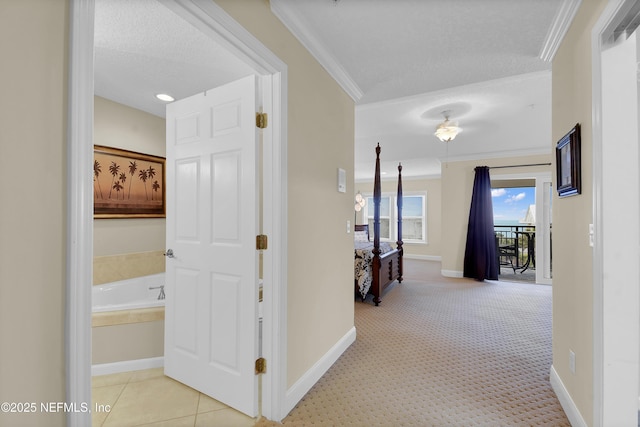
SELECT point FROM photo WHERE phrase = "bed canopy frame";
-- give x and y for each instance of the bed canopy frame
(386, 267)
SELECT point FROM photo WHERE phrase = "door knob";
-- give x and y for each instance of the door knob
(169, 253)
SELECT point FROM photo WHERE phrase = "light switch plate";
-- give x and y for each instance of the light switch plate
(342, 181)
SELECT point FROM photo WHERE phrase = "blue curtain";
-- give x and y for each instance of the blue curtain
(481, 253)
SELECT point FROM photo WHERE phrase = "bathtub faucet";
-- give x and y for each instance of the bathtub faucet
(161, 287)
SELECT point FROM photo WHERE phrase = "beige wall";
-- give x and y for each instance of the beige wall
(572, 263)
(116, 125)
(119, 126)
(130, 341)
(320, 140)
(430, 186)
(457, 186)
(33, 42)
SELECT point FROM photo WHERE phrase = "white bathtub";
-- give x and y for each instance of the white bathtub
(128, 294)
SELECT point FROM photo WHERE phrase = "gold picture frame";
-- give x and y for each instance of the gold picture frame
(127, 184)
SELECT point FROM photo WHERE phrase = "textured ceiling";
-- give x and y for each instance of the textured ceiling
(142, 48)
(398, 48)
(403, 62)
(505, 117)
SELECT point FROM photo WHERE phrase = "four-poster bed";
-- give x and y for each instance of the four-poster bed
(378, 265)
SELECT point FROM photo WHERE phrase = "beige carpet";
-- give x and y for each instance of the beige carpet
(442, 352)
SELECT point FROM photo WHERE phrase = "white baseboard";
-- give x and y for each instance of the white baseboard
(570, 408)
(422, 257)
(308, 380)
(127, 365)
(452, 273)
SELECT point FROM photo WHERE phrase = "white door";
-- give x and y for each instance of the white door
(211, 285)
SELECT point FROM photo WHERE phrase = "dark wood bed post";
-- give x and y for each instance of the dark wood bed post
(376, 229)
(399, 243)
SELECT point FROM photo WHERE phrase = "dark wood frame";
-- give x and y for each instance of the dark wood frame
(386, 267)
(568, 173)
(140, 198)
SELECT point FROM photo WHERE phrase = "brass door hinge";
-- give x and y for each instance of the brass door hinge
(261, 120)
(261, 365)
(261, 242)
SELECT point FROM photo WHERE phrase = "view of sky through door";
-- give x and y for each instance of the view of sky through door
(510, 205)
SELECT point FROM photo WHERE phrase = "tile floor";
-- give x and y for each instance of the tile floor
(145, 398)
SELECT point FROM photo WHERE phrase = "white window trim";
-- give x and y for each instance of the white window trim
(393, 226)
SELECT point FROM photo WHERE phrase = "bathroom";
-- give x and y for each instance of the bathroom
(127, 248)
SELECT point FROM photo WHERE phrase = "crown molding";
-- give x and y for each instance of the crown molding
(500, 154)
(421, 177)
(479, 157)
(318, 50)
(559, 28)
(483, 85)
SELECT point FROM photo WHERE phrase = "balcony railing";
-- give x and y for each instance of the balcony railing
(516, 246)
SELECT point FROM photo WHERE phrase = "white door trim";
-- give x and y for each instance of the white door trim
(542, 223)
(216, 23)
(79, 211)
(604, 372)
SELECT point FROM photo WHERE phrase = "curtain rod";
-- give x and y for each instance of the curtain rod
(520, 166)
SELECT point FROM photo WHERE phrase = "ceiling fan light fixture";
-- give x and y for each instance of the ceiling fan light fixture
(447, 130)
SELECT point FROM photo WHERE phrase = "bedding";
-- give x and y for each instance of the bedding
(361, 236)
(363, 263)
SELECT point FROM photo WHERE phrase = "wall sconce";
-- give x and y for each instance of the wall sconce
(360, 202)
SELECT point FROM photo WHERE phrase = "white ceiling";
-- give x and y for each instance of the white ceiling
(142, 48)
(402, 61)
(499, 118)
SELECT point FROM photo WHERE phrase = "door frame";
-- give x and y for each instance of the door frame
(213, 21)
(615, 308)
(543, 224)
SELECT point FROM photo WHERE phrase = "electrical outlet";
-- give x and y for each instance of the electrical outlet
(348, 226)
(572, 361)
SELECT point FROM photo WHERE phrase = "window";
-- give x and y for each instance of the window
(385, 217)
(414, 224)
(413, 218)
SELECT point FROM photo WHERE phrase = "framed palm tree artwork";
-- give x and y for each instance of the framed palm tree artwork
(127, 184)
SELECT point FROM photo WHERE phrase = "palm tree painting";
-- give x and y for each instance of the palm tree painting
(128, 177)
(143, 177)
(114, 168)
(97, 170)
(133, 167)
(155, 186)
(123, 179)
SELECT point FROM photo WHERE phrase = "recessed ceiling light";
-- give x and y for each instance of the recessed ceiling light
(164, 97)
